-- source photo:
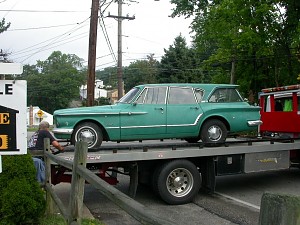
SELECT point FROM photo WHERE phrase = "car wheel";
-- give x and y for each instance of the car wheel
(90, 133)
(213, 131)
(177, 182)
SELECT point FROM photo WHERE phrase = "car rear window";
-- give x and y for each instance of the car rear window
(225, 95)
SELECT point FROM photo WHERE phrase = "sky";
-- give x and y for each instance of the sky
(39, 27)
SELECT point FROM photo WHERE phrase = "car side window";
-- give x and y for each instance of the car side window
(199, 94)
(180, 95)
(225, 95)
(152, 95)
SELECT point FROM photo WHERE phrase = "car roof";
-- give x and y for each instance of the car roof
(195, 85)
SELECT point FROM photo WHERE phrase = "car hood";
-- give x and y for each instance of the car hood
(91, 109)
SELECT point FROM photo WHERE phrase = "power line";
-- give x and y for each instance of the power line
(104, 31)
(38, 28)
(39, 11)
(45, 49)
(56, 39)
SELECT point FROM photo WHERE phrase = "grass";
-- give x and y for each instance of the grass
(59, 220)
(32, 129)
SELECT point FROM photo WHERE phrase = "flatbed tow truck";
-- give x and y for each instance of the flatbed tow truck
(176, 170)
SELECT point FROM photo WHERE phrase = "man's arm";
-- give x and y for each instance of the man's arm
(57, 145)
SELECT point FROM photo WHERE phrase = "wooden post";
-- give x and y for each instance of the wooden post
(49, 200)
(279, 209)
(77, 185)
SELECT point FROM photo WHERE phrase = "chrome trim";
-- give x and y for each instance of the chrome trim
(128, 127)
(253, 123)
(184, 125)
(133, 113)
(121, 113)
(91, 113)
(172, 125)
(62, 131)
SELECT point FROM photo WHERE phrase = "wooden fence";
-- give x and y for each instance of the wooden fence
(80, 174)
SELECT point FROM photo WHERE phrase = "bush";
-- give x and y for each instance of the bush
(21, 198)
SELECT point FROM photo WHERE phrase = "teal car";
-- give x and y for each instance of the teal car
(207, 112)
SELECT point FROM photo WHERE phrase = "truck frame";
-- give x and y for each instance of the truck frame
(176, 171)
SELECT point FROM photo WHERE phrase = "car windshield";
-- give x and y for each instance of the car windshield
(129, 96)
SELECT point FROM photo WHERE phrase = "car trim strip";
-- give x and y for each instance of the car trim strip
(96, 113)
(193, 124)
(172, 125)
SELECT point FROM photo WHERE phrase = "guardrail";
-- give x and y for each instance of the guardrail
(80, 174)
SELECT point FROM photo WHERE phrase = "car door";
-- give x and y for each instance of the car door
(183, 111)
(146, 117)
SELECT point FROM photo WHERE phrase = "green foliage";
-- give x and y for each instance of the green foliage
(180, 64)
(141, 72)
(254, 42)
(108, 76)
(52, 84)
(59, 220)
(98, 101)
(21, 198)
(3, 26)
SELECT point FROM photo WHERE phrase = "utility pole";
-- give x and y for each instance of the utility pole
(120, 18)
(92, 53)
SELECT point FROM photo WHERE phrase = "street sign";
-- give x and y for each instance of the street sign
(40, 113)
(11, 68)
(13, 110)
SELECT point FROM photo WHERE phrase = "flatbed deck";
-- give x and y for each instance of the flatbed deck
(139, 151)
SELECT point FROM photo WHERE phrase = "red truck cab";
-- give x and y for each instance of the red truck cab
(280, 111)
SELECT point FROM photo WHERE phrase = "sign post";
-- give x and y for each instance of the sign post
(13, 111)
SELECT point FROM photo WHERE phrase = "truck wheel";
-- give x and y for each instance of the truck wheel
(213, 131)
(177, 182)
(88, 132)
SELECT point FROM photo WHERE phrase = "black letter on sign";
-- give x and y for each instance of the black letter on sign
(8, 89)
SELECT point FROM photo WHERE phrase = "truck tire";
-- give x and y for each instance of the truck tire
(88, 132)
(213, 132)
(177, 182)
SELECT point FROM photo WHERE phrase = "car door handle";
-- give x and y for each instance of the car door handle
(160, 108)
(196, 107)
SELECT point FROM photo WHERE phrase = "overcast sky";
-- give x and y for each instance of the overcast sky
(39, 27)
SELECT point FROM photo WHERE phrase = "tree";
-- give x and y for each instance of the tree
(3, 26)
(55, 82)
(141, 72)
(108, 76)
(255, 40)
(180, 64)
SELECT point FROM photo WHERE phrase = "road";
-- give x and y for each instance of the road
(237, 200)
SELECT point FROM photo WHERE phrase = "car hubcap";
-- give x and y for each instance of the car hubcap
(214, 133)
(179, 182)
(87, 135)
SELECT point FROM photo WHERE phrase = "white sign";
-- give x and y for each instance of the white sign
(11, 68)
(13, 110)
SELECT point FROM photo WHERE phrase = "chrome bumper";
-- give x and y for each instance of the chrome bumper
(62, 131)
(253, 123)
